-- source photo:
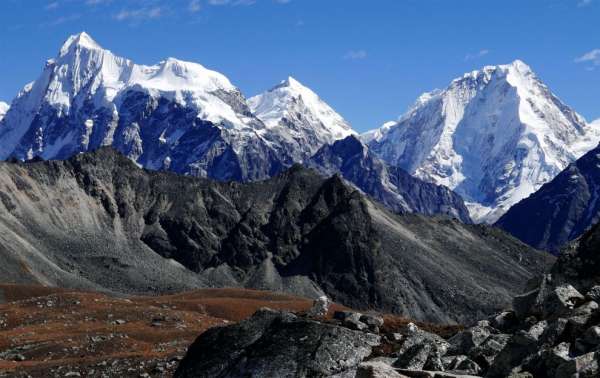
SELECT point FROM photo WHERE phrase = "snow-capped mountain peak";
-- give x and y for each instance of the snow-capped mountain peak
(299, 117)
(494, 135)
(82, 40)
(87, 97)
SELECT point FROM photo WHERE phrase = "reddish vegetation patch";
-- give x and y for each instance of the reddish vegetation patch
(49, 332)
(52, 332)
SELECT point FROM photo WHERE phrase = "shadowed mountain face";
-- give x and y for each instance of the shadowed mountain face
(561, 210)
(392, 186)
(98, 221)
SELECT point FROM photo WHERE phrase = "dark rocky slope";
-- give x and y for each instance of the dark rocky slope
(98, 221)
(561, 210)
(392, 186)
(553, 330)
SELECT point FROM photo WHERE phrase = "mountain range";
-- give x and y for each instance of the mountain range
(182, 117)
(97, 221)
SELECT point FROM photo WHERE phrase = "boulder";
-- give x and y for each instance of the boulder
(554, 331)
(464, 341)
(421, 349)
(374, 322)
(562, 300)
(377, 369)
(582, 366)
(461, 363)
(547, 360)
(320, 307)
(592, 335)
(519, 348)
(487, 351)
(505, 321)
(593, 294)
(273, 343)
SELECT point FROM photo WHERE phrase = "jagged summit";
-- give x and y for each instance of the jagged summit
(494, 135)
(300, 117)
(83, 40)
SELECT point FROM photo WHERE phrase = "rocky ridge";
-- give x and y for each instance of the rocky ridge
(97, 221)
(561, 210)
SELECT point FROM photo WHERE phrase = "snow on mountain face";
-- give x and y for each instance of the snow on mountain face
(494, 136)
(299, 118)
(175, 115)
(3, 109)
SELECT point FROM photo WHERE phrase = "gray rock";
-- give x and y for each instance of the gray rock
(273, 343)
(320, 307)
(519, 348)
(582, 366)
(487, 351)
(504, 321)
(594, 293)
(464, 341)
(561, 301)
(592, 335)
(376, 369)
(415, 357)
(537, 330)
(352, 321)
(372, 320)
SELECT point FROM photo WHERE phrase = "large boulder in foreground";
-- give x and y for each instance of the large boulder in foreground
(277, 344)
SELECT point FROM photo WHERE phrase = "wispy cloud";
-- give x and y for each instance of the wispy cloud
(355, 55)
(52, 5)
(97, 2)
(138, 15)
(591, 57)
(231, 2)
(61, 20)
(194, 6)
(283, 1)
(479, 54)
(584, 3)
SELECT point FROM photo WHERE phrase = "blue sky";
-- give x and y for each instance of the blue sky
(368, 59)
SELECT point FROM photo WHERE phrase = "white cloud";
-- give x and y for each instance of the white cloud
(590, 57)
(139, 14)
(194, 6)
(51, 5)
(355, 55)
(584, 3)
(231, 2)
(479, 54)
(62, 19)
(96, 2)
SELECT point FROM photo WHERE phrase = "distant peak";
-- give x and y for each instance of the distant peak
(291, 83)
(82, 39)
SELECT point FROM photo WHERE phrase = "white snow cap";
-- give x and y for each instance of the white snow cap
(82, 39)
(277, 103)
(494, 135)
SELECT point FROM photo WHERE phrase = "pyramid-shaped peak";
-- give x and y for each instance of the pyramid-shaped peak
(82, 39)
